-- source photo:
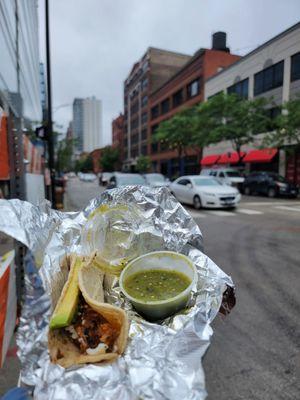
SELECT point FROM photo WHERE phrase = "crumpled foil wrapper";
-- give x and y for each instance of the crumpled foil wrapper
(162, 360)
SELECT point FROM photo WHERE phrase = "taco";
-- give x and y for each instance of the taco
(83, 328)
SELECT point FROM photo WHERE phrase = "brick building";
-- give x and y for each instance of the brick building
(118, 135)
(146, 76)
(184, 89)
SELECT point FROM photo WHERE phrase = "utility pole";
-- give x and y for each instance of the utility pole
(49, 119)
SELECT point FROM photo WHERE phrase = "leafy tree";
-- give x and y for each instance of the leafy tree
(64, 155)
(177, 133)
(236, 119)
(286, 126)
(143, 164)
(109, 158)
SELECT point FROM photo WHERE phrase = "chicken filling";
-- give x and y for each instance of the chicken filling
(91, 332)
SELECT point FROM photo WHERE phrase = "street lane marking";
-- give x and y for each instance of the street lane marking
(248, 211)
(222, 213)
(288, 208)
(270, 203)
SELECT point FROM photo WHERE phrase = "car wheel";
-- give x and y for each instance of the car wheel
(197, 202)
(247, 191)
(271, 192)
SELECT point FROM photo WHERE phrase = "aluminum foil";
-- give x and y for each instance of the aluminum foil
(162, 360)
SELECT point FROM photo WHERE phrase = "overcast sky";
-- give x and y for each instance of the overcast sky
(95, 42)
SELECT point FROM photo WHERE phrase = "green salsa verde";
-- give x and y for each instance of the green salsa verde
(154, 285)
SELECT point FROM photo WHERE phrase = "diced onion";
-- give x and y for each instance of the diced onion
(97, 350)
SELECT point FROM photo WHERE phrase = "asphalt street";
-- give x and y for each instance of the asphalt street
(255, 351)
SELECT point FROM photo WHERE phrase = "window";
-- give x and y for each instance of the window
(154, 148)
(134, 108)
(184, 182)
(164, 146)
(221, 175)
(134, 123)
(134, 139)
(268, 79)
(240, 88)
(155, 112)
(178, 98)
(295, 67)
(144, 83)
(144, 134)
(144, 101)
(144, 150)
(193, 88)
(144, 117)
(165, 106)
(153, 129)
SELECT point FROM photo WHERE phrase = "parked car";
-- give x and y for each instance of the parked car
(121, 179)
(204, 191)
(87, 177)
(156, 180)
(229, 176)
(104, 178)
(270, 184)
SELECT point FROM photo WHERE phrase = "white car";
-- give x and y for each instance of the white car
(204, 191)
(229, 176)
(156, 180)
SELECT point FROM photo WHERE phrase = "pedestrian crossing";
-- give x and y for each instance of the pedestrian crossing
(269, 207)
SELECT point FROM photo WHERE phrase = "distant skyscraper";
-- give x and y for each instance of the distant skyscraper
(43, 91)
(78, 123)
(87, 124)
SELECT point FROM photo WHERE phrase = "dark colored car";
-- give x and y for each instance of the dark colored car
(269, 184)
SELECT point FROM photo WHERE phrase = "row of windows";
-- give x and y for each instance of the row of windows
(240, 88)
(295, 67)
(135, 151)
(269, 78)
(192, 90)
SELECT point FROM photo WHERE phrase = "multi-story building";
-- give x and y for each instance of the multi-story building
(118, 135)
(87, 124)
(92, 124)
(78, 124)
(149, 73)
(19, 90)
(43, 91)
(273, 71)
(184, 89)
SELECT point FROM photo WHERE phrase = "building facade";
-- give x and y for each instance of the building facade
(271, 71)
(184, 89)
(87, 124)
(149, 73)
(118, 135)
(77, 124)
(20, 100)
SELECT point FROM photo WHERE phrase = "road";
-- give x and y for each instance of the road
(255, 350)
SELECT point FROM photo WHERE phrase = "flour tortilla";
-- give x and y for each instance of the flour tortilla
(62, 350)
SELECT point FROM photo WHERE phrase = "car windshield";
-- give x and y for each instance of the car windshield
(206, 182)
(155, 178)
(233, 174)
(131, 180)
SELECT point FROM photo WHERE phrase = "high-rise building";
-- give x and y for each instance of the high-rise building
(78, 124)
(43, 90)
(150, 72)
(92, 124)
(87, 124)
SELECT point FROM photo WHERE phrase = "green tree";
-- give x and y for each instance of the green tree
(64, 155)
(237, 120)
(286, 126)
(177, 133)
(143, 164)
(109, 158)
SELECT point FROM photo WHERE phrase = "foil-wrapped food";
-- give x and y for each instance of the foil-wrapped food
(99, 345)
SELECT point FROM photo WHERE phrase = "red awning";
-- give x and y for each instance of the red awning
(230, 157)
(210, 160)
(260, 156)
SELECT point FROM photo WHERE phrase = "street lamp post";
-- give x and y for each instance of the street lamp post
(49, 121)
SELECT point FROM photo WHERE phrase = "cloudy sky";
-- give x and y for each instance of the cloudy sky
(95, 42)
